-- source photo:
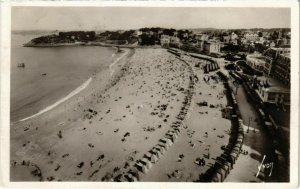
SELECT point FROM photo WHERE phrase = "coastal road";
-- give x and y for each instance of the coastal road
(256, 142)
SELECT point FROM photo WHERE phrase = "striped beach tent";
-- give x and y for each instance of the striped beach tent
(166, 141)
(141, 167)
(156, 152)
(154, 158)
(160, 148)
(163, 147)
(146, 162)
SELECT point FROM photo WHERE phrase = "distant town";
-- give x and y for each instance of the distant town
(263, 52)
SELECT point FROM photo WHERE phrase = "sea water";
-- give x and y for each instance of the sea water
(50, 73)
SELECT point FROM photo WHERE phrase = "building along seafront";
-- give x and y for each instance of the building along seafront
(271, 55)
(272, 91)
(274, 86)
(212, 46)
(256, 61)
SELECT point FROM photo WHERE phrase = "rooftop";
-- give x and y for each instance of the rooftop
(287, 55)
(257, 59)
(275, 85)
(279, 48)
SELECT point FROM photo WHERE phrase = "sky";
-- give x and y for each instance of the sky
(113, 18)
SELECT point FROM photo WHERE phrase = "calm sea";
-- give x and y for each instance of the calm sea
(66, 68)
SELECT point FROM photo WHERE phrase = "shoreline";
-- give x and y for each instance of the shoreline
(79, 44)
(70, 94)
(60, 101)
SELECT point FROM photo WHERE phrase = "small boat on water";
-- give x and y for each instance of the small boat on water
(21, 65)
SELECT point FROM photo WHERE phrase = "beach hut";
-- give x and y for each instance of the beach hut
(175, 126)
(146, 162)
(153, 158)
(159, 148)
(135, 173)
(239, 142)
(240, 136)
(223, 172)
(173, 133)
(227, 167)
(141, 167)
(156, 152)
(236, 149)
(148, 156)
(177, 131)
(163, 147)
(166, 141)
(130, 177)
(240, 139)
(235, 154)
(237, 146)
(216, 178)
(231, 159)
(219, 175)
(171, 137)
(241, 130)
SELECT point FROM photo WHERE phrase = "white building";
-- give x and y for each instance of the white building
(165, 41)
(233, 36)
(211, 46)
(251, 37)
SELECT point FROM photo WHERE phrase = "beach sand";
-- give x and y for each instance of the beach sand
(102, 131)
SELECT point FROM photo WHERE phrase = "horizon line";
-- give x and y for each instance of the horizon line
(149, 27)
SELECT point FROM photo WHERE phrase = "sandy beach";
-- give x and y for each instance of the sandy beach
(100, 133)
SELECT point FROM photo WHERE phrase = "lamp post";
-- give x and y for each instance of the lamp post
(250, 119)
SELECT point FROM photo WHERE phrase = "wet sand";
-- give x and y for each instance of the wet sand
(101, 132)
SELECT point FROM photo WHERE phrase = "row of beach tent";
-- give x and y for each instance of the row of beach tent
(224, 163)
(152, 156)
